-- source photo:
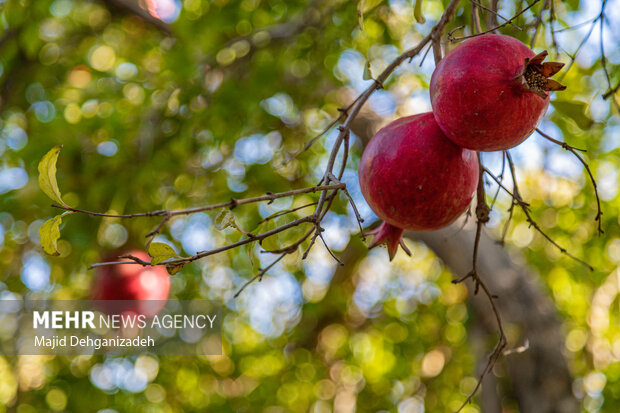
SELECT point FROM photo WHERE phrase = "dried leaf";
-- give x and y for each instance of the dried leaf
(538, 59)
(47, 175)
(551, 68)
(50, 233)
(551, 84)
(174, 268)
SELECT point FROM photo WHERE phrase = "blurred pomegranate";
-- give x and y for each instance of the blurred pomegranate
(133, 282)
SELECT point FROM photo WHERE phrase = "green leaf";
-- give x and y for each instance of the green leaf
(417, 12)
(367, 75)
(50, 233)
(284, 238)
(47, 175)
(574, 110)
(226, 219)
(160, 252)
(174, 268)
(272, 242)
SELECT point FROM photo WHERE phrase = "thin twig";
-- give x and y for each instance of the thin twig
(475, 17)
(603, 57)
(320, 232)
(554, 42)
(428, 49)
(501, 186)
(281, 213)
(502, 240)
(575, 26)
(458, 39)
(495, 13)
(531, 221)
(343, 114)
(537, 23)
(358, 217)
(230, 204)
(497, 351)
(315, 232)
(573, 57)
(500, 177)
(482, 214)
(574, 150)
(258, 276)
(291, 248)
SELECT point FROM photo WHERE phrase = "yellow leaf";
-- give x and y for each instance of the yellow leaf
(417, 12)
(161, 252)
(47, 175)
(49, 233)
(360, 14)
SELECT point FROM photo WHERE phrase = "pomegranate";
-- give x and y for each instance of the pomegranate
(413, 177)
(491, 91)
(134, 282)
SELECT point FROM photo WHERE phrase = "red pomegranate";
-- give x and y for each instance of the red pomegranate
(134, 282)
(413, 177)
(491, 91)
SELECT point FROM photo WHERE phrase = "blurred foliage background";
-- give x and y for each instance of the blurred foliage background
(172, 104)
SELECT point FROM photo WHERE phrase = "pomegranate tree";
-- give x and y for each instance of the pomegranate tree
(491, 91)
(134, 282)
(413, 177)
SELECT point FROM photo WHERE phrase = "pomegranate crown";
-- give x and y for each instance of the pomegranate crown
(391, 236)
(535, 75)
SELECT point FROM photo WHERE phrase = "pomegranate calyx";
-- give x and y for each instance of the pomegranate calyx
(389, 235)
(535, 75)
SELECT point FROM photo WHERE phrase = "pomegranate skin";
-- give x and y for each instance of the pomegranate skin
(413, 177)
(476, 99)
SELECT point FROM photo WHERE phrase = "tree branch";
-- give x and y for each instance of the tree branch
(574, 150)
(134, 8)
(230, 204)
(509, 21)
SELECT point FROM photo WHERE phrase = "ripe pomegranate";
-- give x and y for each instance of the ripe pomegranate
(413, 177)
(491, 91)
(134, 282)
